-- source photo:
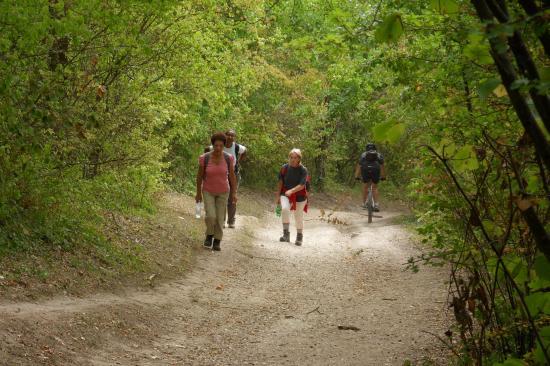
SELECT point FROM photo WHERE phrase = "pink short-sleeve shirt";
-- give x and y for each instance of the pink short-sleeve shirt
(216, 180)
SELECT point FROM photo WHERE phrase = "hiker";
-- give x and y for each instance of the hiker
(216, 184)
(370, 168)
(292, 194)
(238, 152)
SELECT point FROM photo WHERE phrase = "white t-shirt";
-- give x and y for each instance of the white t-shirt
(231, 151)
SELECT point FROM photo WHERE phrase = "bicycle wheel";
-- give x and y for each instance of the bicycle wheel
(370, 204)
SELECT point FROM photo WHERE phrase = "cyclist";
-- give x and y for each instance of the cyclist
(370, 168)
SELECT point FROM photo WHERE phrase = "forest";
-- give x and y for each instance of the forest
(105, 104)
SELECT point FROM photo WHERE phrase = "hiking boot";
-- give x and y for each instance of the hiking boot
(299, 239)
(285, 237)
(216, 245)
(376, 208)
(208, 241)
(231, 225)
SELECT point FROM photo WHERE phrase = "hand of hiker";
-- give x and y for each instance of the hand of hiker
(233, 198)
(288, 193)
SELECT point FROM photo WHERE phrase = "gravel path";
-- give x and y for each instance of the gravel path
(343, 298)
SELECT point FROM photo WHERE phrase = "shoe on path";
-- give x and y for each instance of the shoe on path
(285, 237)
(299, 239)
(208, 241)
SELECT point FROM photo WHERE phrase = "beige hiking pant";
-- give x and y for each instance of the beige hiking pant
(298, 214)
(215, 206)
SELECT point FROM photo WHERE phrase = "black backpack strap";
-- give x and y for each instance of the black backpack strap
(237, 148)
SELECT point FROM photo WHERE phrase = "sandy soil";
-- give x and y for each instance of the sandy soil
(343, 298)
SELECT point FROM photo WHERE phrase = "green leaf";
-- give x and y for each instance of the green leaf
(538, 352)
(487, 87)
(492, 228)
(514, 362)
(465, 159)
(445, 6)
(478, 49)
(446, 147)
(380, 130)
(545, 332)
(536, 303)
(390, 30)
(388, 131)
(464, 152)
(542, 267)
(394, 134)
(519, 83)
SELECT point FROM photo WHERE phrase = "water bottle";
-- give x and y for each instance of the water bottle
(198, 208)
(278, 211)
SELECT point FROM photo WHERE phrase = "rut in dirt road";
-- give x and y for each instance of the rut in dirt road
(343, 298)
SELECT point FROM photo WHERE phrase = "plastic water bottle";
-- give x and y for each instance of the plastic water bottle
(278, 211)
(198, 208)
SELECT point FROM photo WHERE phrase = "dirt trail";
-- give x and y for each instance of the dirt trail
(258, 302)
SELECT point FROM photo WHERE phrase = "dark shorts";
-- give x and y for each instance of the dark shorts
(371, 174)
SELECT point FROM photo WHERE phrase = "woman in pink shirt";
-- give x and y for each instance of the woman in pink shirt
(216, 182)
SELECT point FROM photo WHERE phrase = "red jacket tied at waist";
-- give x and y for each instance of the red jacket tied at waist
(293, 199)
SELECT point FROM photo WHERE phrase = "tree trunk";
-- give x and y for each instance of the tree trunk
(532, 10)
(508, 76)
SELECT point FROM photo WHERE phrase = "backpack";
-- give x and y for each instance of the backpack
(227, 158)
(304, 191)
(369, 159)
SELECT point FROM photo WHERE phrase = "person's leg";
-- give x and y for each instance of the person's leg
(221, 207)
(365, 191)
(375, 194)
(209, 217)
(285, 215)
(299, 217)
(232, 208)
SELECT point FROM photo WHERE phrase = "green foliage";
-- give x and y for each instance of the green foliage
(104, 103)
(445, 6)
(391, 29)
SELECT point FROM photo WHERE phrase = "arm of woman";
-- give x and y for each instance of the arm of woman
(200, 174)
(291, 191)
(278, 192)
(232, 184)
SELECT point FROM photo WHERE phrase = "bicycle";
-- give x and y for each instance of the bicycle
(369, 203)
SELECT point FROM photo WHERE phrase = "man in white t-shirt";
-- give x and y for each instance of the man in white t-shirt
(239, 152)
